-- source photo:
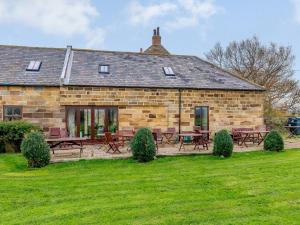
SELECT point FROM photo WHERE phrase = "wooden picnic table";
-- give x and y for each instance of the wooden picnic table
(257, 136)
(291, 130)
(66, 141)
(193, 135)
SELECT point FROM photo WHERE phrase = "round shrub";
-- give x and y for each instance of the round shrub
(35, 149)
(273, 142)
(223, 144)
(143, 146)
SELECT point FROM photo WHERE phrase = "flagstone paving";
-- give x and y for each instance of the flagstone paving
(99, 151)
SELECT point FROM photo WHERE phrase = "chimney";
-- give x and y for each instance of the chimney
(156, 38)
(156, 48)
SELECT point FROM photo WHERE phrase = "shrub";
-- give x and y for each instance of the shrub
(143, 146)
(13, 132)
(223, 144)
(35, 149)
(273, 142)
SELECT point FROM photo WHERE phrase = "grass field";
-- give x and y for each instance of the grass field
(249, 188)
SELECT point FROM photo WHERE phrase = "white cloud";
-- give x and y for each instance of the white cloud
(178, 14)
(140, 14)
(65, 18)
(296, 4)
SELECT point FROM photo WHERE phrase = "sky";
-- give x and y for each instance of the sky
(190, 27)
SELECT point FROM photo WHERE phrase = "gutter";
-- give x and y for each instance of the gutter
(179, 111)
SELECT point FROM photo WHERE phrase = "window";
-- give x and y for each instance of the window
(34, 66)
(91, 121)
(202, 117)
(103, 68)
(12, 113)
(168, 71)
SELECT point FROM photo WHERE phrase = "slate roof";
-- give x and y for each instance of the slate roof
(126, 70)
(142, 70)
(15, 59)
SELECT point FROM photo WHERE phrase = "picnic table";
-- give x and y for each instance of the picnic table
(291, 130)
(198, 139)
(255, 136)
(66, 143)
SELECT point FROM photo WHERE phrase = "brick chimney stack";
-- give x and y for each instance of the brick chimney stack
(156, 38)
(156, 48)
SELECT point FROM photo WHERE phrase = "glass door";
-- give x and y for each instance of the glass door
(71, 122)
(91, 121)
(99, 122)
(85, 123)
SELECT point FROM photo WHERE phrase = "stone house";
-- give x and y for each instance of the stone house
(90, 91)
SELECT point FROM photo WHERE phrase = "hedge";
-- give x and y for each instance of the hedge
(13, 132)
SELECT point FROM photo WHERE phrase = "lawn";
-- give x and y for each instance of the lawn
(249, 188)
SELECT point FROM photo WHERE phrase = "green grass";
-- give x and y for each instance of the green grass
(249, 188)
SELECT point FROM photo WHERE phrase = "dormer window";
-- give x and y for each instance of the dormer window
(168, 71)
(103, 68)
(34, 66)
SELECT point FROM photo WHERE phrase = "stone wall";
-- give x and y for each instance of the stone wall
(159, 107)
(138, 107)
(40, 105)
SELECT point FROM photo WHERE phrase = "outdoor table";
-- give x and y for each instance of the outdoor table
(125, 137)
(169, 135)
(191, 134)
(250, 136)
(54, 142)
(291, 130)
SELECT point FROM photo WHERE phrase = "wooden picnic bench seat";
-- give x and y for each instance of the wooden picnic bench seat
(68, 148)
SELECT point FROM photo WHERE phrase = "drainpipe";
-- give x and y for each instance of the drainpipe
(179, 110)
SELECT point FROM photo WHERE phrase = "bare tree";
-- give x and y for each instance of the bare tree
(270, 66)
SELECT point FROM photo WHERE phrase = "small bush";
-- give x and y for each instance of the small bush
(143, 146)
(223, 144)
(35, 149)
(13, 132)
(273, 142)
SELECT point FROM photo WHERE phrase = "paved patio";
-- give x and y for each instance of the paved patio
(95, 152)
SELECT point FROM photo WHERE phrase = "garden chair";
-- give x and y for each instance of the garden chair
(159, 135)
(112, 143)
(54, 132)
(202, 140)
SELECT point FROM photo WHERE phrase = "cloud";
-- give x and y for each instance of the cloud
(296, 4)
(140, 14)
(178, 14)
(65, 18)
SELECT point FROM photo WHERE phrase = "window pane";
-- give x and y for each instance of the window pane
(201, 117)
(99, 122)
(8, 111)
(72, 122)
(103, 69)
(112, 120)
(198, 116)
(85, 123)
(17, 111)
(204, 124)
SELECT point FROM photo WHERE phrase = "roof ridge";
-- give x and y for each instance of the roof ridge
(94, 50)
(32, 47)
(128, 52)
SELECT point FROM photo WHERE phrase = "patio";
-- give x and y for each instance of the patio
(93, 152)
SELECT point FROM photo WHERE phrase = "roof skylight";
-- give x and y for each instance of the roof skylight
(168, 71)
(34, 66)
(103, 68)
